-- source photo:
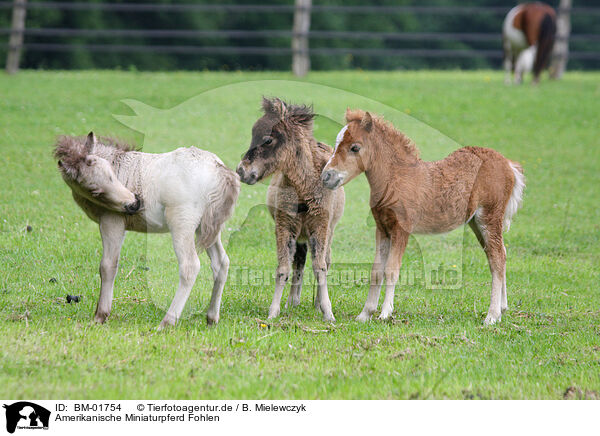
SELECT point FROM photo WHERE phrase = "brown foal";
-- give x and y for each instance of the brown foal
(472, 185)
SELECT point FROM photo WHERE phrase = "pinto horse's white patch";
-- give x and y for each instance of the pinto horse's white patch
(515, 37)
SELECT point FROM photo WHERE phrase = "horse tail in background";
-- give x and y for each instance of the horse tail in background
(545, 43)
(221, 204)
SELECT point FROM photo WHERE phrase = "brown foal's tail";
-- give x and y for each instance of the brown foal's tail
(516, 197)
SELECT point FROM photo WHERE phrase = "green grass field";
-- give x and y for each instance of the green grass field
(436, 345)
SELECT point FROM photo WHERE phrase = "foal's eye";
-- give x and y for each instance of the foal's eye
(355, 148)
(268, 140)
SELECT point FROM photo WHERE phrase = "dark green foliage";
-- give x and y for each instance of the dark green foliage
(489, 22)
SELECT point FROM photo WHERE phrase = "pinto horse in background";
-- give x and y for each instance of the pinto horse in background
(528, 38)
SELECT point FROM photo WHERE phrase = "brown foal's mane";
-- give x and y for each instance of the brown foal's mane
(388, 133)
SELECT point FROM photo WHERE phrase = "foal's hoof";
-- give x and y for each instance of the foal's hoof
(384, 315)
(273, 313)
(363, 317)
(491, 319)
(166, 322)
(100, 318)
(292, 302)
(328, 317)
(212, 319)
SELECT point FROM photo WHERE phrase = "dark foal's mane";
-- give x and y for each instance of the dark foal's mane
(288, 113)
(71, 150)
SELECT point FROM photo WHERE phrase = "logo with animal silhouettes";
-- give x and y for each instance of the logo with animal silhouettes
(26, 415)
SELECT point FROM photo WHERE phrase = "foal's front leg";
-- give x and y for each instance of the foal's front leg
(319, 248)
(286, 246)
(112, 230)
(382, 249)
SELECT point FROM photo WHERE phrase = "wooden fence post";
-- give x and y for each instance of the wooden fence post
(560, 56)
(300, 54)
(15, 42)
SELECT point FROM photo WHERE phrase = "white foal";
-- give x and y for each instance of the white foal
(188, 192)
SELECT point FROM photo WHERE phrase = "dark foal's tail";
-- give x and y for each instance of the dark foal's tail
(545, 44)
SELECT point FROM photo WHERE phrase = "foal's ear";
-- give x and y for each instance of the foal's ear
(367, 122)
(274, 106)
(90, 142)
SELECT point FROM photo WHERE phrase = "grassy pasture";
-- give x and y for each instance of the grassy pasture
(435, 347)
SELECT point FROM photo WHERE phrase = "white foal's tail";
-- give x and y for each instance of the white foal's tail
(516, 198)
(220, 207)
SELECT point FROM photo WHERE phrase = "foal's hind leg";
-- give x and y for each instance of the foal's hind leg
(504, 302)
(112, 230)
(318, 250)
(189, 264)
(297, 275)
(398, 243)
(489, 230)
(377, 270)
(219, 263)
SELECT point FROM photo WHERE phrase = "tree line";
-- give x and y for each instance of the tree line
(80, 58)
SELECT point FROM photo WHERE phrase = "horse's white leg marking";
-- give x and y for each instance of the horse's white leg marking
(392, 272)
(280, 281)
(495, 312)
(320, 271)
(318, 249)
(391, 277)
(497, 260)
(219, 262)
(189, 264)
(112, 230)
(504, 303)
(524, 63)
(381, 256)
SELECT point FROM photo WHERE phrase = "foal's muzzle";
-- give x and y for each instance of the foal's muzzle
(134, 207)
(331, 179)
(250, 177)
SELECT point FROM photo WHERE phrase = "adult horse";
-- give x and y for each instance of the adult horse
(528, 38)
